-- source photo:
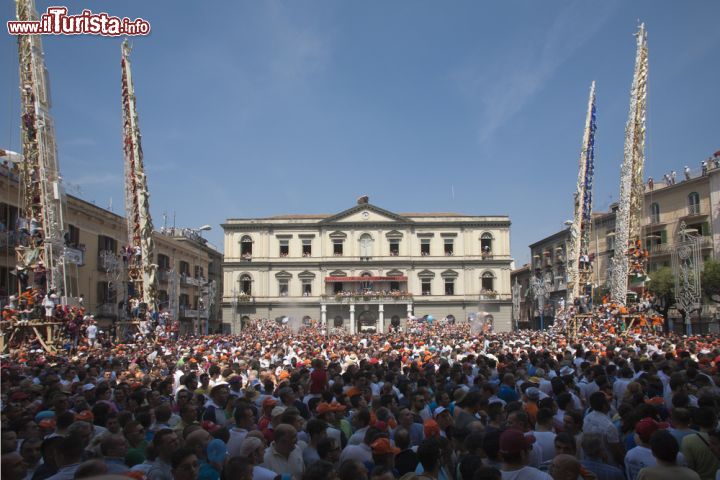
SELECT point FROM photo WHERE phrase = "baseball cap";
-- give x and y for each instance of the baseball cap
(515, 441)
(438, 411)
(269, 402)
(647, 426)
(382, 446)
(324, 407)
(277, 411)
(532, 393)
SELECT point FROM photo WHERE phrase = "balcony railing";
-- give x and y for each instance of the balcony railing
(370, 298)
(693, 209)
(190, 314)
(495, 296)
(244, 298)
(667, 248)
(186, 280)
(163, 276)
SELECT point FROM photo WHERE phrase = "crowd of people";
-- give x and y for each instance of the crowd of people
(429, 401)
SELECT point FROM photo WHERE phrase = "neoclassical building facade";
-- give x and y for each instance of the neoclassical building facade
(366, 268)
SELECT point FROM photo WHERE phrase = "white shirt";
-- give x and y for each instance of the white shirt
(619, 388)
(361, 452)
(546, 440)
(92, 331)
(597, 422)
(262, 473)
(358, 437)
(237, 435)
(636, 459)
(293, 465)
(525, 473)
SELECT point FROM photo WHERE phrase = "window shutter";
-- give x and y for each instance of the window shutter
(705, 229)
(663, 236)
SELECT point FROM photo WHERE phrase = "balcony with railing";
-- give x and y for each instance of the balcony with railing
(243, 298)
(188, 313)
(372, 297)
(694, 210)
(494, 296)
(667, 248)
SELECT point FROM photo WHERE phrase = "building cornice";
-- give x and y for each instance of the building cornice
(252, 226)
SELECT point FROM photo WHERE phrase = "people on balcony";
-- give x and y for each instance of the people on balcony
(372, 294)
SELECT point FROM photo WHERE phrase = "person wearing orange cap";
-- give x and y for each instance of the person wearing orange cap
(267, 405)
(329, 412)
(383, 453)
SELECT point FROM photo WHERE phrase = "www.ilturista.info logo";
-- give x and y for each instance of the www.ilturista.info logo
(56, 21)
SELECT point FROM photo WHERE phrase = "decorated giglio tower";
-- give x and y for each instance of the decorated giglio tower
(629, 259)
(579, 271)
(41, 260)
(141, 269)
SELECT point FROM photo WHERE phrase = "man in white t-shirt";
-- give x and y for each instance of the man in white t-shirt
(597, 421)
(91, 333)
(641, 456)
(515, 452)
(544, 434)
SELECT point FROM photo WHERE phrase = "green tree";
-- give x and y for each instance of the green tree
(662, 286)
(711, 280)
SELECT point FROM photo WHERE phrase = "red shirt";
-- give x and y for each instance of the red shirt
(318, 380)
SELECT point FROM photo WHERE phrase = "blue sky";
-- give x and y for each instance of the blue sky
(262, 108)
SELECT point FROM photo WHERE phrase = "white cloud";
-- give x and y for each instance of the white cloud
(298, 50)
(502, 90)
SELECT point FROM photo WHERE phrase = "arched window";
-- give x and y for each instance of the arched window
(488, 282)
(366, 245)
(654, 213)
(486, 244)
(245, 284)
(246, 245)
(694, 203)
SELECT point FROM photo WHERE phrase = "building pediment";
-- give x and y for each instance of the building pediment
(366, 213)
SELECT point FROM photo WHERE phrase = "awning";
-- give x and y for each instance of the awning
(364, 279)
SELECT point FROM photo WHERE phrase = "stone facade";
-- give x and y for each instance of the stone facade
(92, 230)
(366, 267)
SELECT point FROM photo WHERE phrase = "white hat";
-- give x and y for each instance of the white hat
(88, 386)
(438, 411)
(277, 411)
(565, 371)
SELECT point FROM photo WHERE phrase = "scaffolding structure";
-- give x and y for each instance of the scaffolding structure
(629, 260)
(142, 272)
(579, 268)
(40, 260)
